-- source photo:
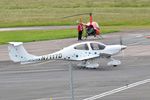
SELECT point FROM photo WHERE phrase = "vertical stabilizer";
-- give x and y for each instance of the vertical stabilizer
(17, 53)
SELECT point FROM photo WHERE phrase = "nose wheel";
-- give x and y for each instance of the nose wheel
(115, 65)
(114, 62)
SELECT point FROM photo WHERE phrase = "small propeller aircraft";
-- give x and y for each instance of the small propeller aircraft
(83, 52)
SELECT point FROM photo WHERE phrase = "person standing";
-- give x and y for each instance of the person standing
(80, 31)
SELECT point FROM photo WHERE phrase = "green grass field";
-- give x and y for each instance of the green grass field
(48, 12)
(30, 36)
(112, 15)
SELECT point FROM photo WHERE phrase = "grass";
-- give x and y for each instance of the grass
(49, 12)
(29, 36)
(112, 15)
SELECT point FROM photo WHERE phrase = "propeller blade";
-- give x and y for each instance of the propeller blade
(122, 47)
(121, 43)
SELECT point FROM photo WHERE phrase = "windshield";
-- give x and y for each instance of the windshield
(96, 46)
(81, 47)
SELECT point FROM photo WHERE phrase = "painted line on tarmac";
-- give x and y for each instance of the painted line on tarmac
(139, 35)
(60, 98)
(102, 94)
(32, 71)
(118, 90)
(135, 43)
(37, 64)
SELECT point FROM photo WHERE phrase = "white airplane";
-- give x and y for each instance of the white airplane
(83, 52)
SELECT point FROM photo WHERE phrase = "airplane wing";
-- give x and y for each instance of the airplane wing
(105, 55)
(88, 57)
(102, 55)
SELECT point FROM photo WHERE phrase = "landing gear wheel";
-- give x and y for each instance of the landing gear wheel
(114, 65)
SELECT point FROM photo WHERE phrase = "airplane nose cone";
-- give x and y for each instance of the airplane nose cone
(123, 47)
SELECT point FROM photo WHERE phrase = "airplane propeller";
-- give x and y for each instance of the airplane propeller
(121, 40)
(122, 46)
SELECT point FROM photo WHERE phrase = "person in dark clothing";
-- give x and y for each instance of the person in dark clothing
(80, 31)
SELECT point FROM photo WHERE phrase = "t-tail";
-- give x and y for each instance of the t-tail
(17, 53)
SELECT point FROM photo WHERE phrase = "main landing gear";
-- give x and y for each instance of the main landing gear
(87, 64)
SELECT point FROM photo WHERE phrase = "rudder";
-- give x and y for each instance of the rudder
(17, 52)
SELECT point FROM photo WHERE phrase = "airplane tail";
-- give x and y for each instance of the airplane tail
(17, 53)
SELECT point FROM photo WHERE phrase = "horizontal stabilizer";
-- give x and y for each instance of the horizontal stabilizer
(15, 43)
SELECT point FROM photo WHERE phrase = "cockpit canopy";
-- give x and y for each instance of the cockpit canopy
(92, 46)
(82, 47)
(96, 46)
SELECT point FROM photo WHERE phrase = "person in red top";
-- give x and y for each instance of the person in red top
(80, 31)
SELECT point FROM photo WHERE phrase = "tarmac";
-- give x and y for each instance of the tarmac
(50, 80)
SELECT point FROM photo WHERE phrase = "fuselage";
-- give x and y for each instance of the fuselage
(83, 50)
(77, 52)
